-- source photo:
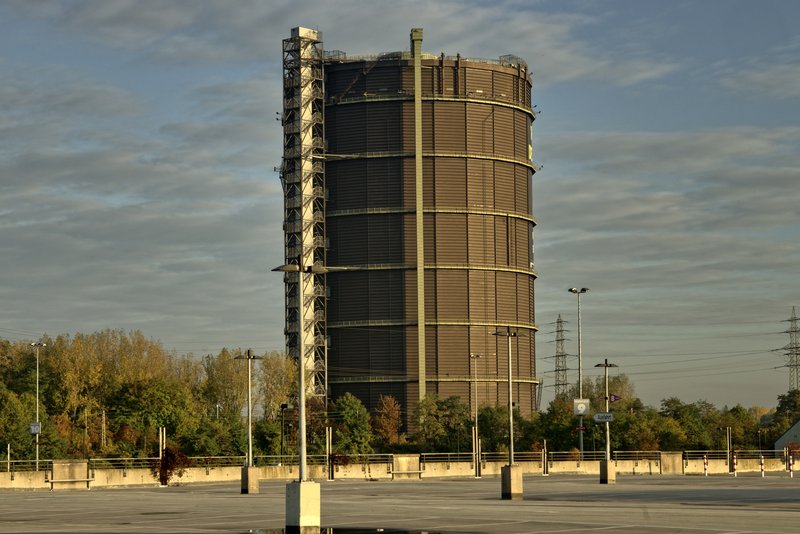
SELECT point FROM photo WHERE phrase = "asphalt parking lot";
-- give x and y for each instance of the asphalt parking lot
(557, 504)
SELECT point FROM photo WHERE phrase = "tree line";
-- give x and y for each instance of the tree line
(108, 393)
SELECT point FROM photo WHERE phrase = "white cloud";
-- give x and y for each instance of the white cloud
(778, 80)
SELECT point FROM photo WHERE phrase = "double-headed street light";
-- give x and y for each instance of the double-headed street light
(249, 356)
(578, 293)
(36, 428)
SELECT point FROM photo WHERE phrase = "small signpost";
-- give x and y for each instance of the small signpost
(603, 417)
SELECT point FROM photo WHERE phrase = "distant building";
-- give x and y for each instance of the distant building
(408, 201)
(790, 437)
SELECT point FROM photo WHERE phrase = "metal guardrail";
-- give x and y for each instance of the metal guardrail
(636, 455)
(340, 459)
(575, 456)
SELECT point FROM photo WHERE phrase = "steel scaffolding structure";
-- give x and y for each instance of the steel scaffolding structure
(303, 179)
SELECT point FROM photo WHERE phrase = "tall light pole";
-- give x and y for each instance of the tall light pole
(476, 440)
(249, 473)
(580, 292)
(509, 334)
(605, 366)
(38, 426)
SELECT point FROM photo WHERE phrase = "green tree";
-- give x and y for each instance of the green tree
(352, 430)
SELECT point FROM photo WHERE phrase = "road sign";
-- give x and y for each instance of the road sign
(603, 417)
(614, 398)
(36, 428)
(580, 406)
(581, 428)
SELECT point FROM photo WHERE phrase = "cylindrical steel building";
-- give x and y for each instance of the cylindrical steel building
(428, 170)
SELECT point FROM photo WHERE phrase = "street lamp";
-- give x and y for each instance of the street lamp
(476, 442)
(248, 484)
(511, 475)
(580, 292)
(606, 365)
(37, 427)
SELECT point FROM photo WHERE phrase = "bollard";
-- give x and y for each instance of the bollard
(705, 465)
(734, 466)
(761, 463)
(791, 466)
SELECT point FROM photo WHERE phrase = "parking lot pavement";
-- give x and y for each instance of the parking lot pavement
(640, 504)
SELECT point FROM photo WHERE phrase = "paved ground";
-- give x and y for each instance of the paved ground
(557, 504)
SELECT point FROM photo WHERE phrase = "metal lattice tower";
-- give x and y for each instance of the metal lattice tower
(793, 352)
(561, 359)
(303, 179)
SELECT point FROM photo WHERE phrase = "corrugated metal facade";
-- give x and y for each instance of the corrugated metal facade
(478, 230)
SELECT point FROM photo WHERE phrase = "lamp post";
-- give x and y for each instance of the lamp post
(37, 427)
(249, 477)
(605, 366)
(511, 475)
(476, 441)
(578, 293)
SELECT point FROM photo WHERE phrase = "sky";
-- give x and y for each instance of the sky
(138, 142)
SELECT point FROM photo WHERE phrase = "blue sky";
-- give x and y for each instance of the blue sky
(138, 141)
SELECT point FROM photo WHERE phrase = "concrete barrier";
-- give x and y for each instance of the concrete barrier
(72, 475)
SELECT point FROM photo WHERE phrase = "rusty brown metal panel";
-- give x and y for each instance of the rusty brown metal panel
(410, 297)
(407, 128)
(521, 135)
(506, 297)
(480, 190)
(503, 85)
(344, 80)
(428, 127)
(349, 234)
(453, 341)
(480, 128)
(451, 177)
(451, 298)
(504, 132)
(504, 186)
(430, 238)
(479, 228)
(428, 81)
(448, 75)
(449, 121)
(383, 80)
(409, 239)
(386, 295)
(482, 296)
(384, 133)
(431, 355)
(501, 240)
(383, 185)
(408, 192)
(522, 189)
(430, 293)
(384, 239)
(478, 82)
(347, 182)
(451, 239)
